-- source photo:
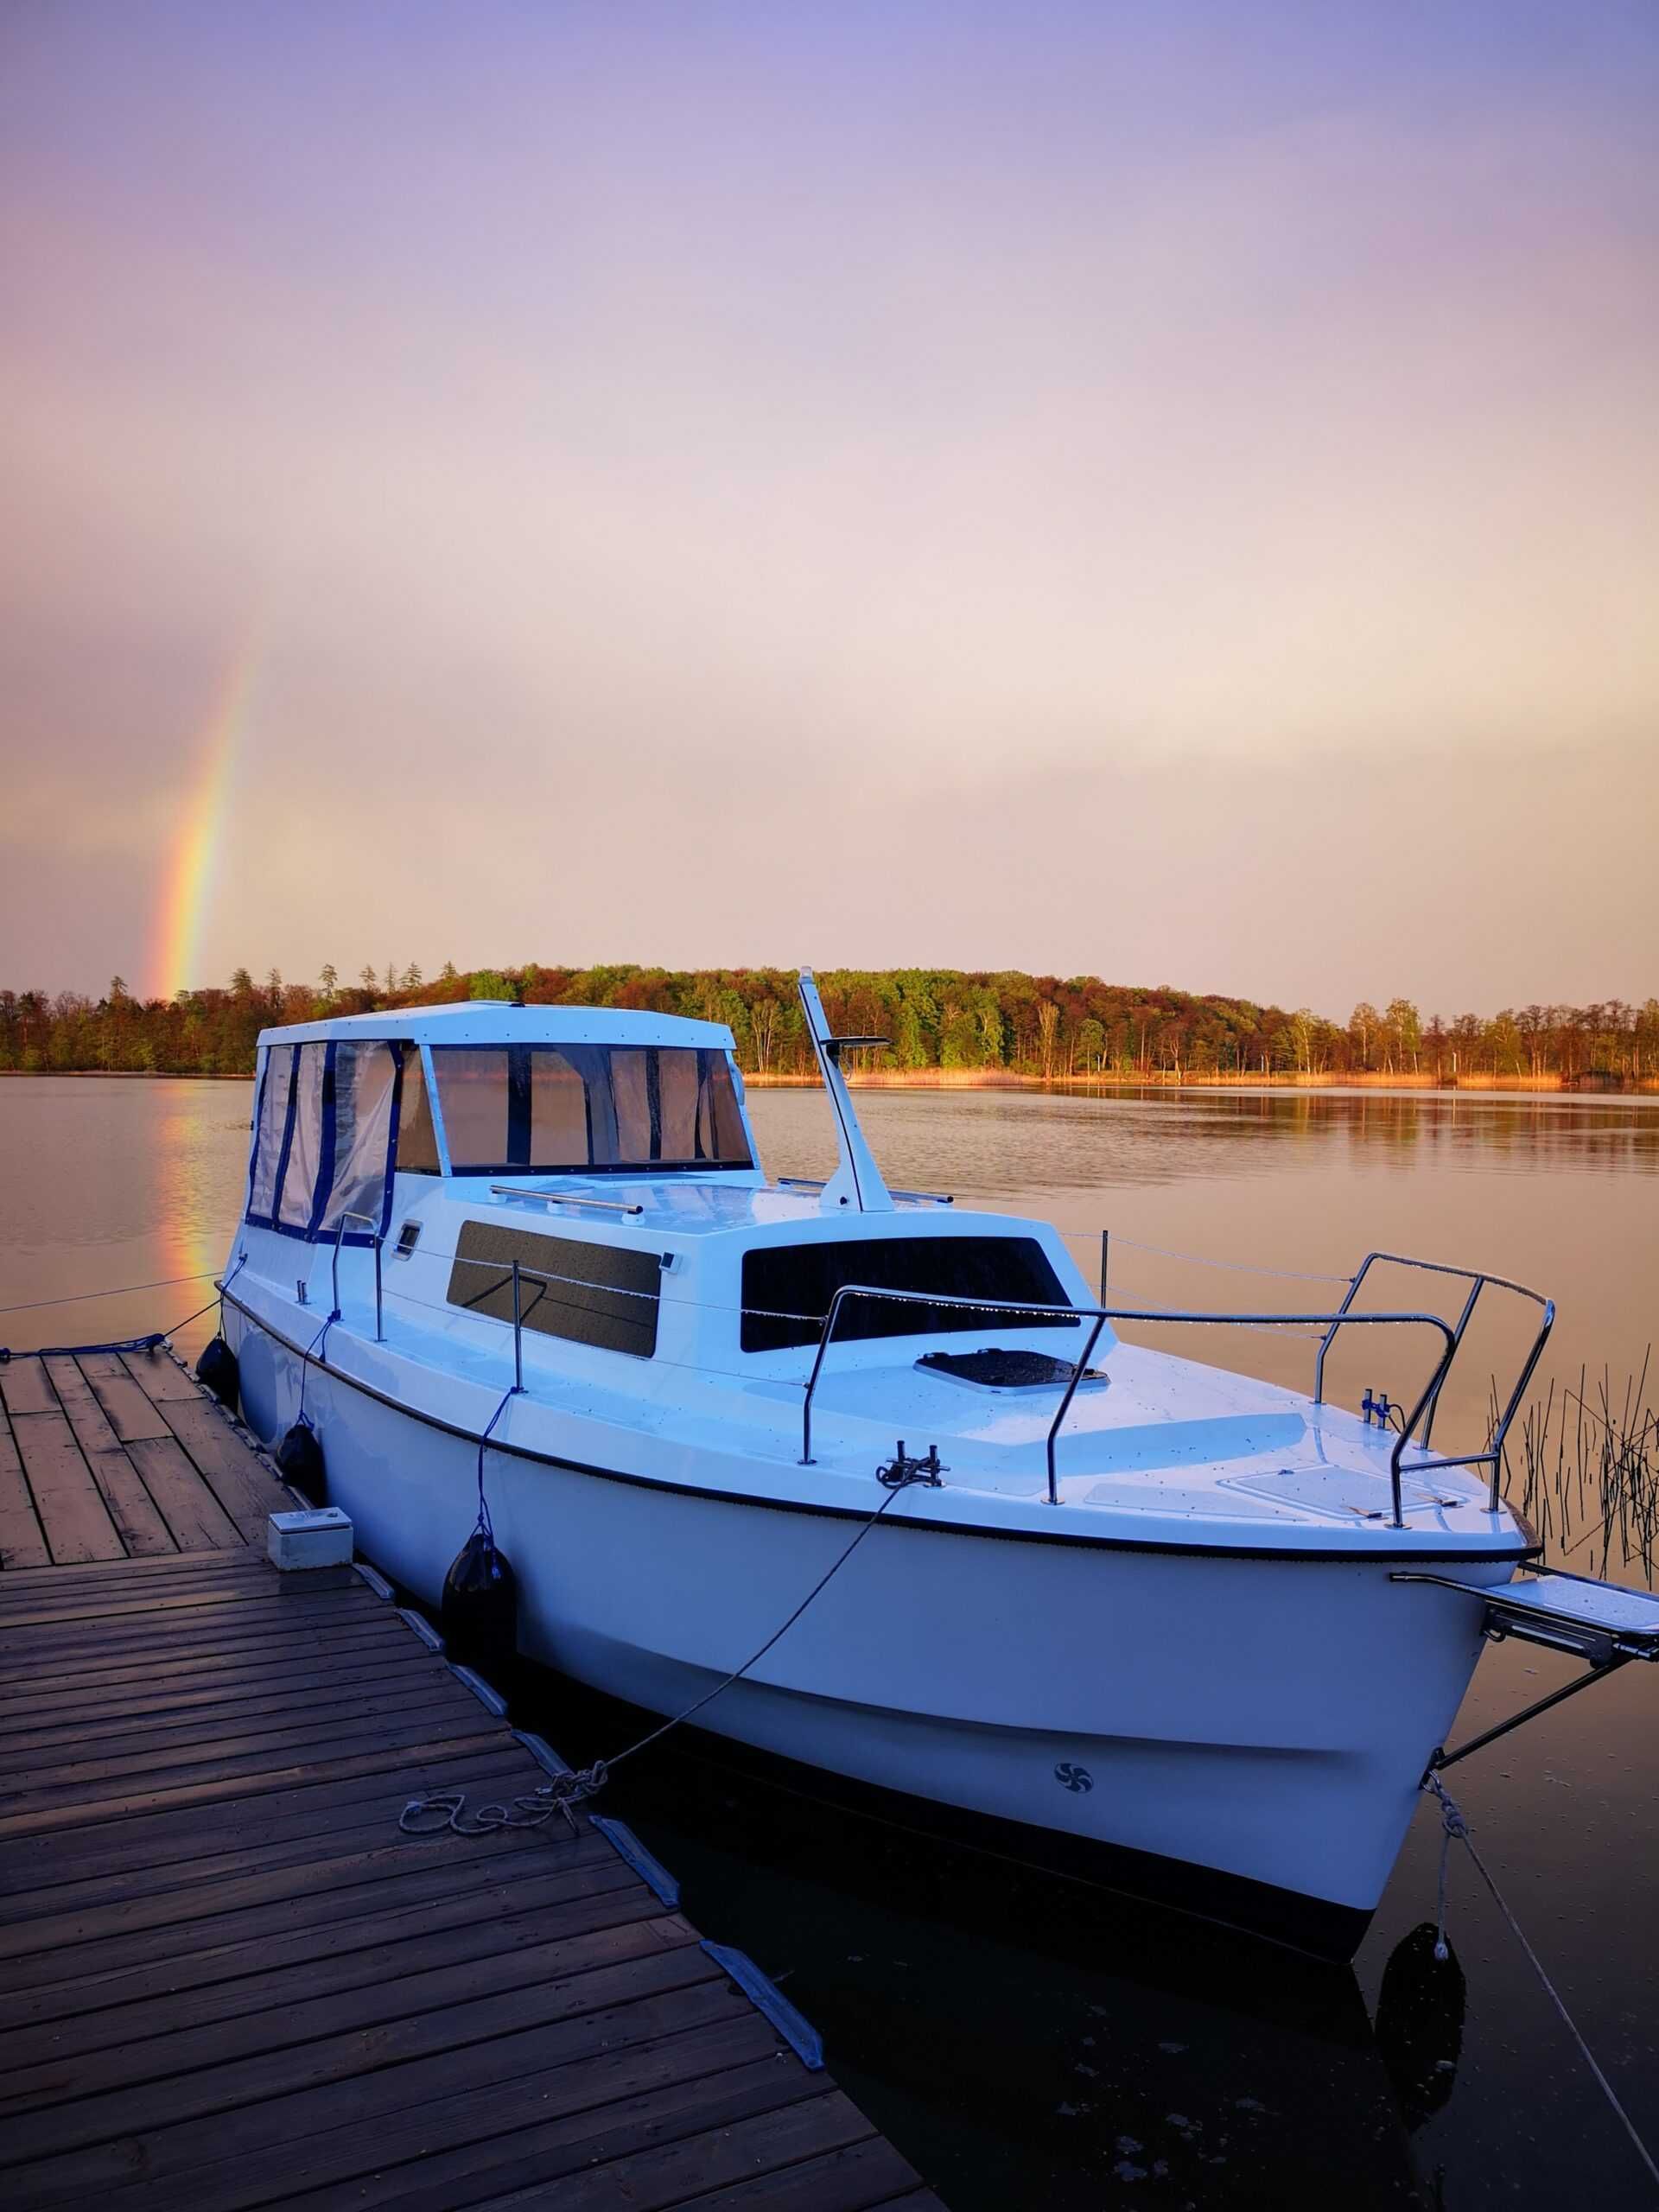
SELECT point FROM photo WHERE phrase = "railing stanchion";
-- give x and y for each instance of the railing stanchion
(517, 1334)
(1077, 1374)
(380, 1323)
(1336, 1322)
(369, 1223)
(1462, 1323)
(1105, 1261)
(825, 1335)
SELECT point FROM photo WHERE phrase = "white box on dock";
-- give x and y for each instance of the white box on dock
(319, 1536)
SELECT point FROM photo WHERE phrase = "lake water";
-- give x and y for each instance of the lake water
(1026, 2044)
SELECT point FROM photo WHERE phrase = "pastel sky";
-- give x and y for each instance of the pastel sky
(1165, 491)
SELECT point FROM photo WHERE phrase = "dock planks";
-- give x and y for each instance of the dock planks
(110, 1456)
(227, 1980)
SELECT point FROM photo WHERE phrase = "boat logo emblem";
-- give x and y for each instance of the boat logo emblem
(1074, 1777)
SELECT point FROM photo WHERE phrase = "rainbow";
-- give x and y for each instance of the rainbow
(187, 895)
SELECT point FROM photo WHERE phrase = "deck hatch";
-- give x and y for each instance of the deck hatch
(599, 1295)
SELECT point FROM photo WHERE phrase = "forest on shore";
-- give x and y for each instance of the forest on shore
(1032, 1028)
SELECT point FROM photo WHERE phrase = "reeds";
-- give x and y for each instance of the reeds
(1591, 1471)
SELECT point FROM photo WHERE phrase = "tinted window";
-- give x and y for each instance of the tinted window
(591, 1294)
(591, 1108)
(787, 1289)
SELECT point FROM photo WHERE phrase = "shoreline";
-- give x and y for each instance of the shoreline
(1406, 1085)
(1484, 1086)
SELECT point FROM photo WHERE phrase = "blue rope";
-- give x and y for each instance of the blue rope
(483, 1525)
(305, 1363)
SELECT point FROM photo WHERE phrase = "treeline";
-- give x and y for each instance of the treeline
(1034, 1026)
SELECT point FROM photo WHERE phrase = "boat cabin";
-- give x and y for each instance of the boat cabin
(607, 1155)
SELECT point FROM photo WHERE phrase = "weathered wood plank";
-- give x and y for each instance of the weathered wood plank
(74, 1395)
(137, 1519)
(233, 1746)
(265, 2103)
(160, 1376)
(133, 1663)
(72, 1515)
(433, 2179)
(25, 1386)
(368, 1828)
(748, 2158)
(23, 1540)
(131, 1412)
(239, 1910)
(195, 1516)
(247, 1490)
(430, 1977)
(859, 2179)
(258, 1977)
(89, 1719)
(230, 1789)
(463, 2099)
(514, 1880)
(103, 1573)
(258, 1594)
(324, 1802)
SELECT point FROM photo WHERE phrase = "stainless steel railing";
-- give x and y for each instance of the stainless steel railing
(377, 1240)
(563, 1199)
(1478, 1281)
(1329, 1324)
(1101, 1314)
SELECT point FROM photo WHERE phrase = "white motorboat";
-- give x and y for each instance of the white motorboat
(1185, 1632)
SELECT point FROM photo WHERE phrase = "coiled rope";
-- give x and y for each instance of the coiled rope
(1455, 1828)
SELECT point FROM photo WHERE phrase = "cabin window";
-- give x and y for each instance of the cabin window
(592, 1109)
(364, 1081)
(787, 1287)
(272, 1125)
(305, 1141)
(599, 1295)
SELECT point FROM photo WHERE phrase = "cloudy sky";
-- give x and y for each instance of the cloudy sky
(1170, 492)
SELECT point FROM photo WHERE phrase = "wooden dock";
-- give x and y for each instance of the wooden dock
(228, 1980)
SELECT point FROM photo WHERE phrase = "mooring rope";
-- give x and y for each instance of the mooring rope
(305, 1363)
(1455, 1827)
(126, 1290)
(566, 1790)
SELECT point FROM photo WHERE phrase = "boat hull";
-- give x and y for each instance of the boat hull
(1252, 1729)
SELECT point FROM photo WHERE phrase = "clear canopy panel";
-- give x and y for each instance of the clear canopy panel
(596, 1108)
(365, 1079)
(268, 1138)
(305, 1146)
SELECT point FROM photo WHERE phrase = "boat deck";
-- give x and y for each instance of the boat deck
(228, 1980)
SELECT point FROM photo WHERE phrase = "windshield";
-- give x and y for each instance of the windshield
(598, 1108)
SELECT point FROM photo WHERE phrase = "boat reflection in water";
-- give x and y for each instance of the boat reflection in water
(1005, 2024)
